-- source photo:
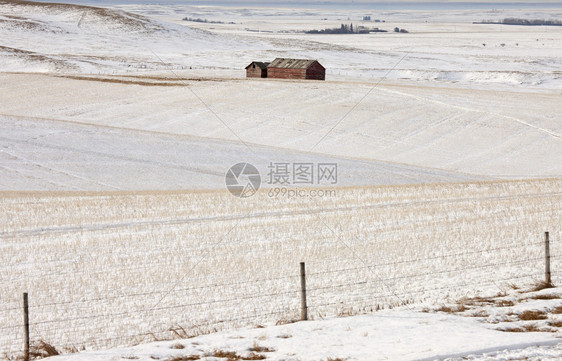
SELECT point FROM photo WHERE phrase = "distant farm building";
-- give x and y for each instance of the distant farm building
(256, 69)
(282, 68)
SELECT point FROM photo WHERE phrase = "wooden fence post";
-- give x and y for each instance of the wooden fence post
(547, 275)
(25, 328)
(304, 308)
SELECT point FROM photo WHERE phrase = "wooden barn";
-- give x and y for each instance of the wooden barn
(282, 68)
(256, 69)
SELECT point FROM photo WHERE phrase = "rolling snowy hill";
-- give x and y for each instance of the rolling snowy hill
(113, 68)
(75, 38)
(479, 133)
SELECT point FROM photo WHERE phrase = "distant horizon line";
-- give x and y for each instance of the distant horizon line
(334, 4)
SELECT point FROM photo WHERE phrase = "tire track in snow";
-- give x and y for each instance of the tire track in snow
(115, 157)
(460, 107)
(273, 214)
(55, 170)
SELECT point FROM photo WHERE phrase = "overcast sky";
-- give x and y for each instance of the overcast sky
(323, 1)
(359, 4)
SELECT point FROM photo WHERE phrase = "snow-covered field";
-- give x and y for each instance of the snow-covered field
(485, 133)
(122, 123)
(126, 159)
(115, 269)
(434, 98)
(385, 335)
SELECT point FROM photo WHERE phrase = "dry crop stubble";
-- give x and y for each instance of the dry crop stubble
(103, 267)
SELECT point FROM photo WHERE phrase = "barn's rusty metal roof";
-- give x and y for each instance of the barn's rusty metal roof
(259, 64)
(291, 63)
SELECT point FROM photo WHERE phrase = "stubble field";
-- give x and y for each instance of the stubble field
(117, 129)
(107, 269)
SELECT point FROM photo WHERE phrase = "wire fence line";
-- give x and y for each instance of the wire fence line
(137, 267)
(127, 318)
(240, 283)
(431, 258)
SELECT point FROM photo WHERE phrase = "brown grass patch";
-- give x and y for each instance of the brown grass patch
(179, 331)
(258, 348)
(513, 329)
(533, 328)
(533, 316)
(541, 286)
(526, 328)
(42, 349)
(504, 303)
(185, 358)
(513, 286)
(253, 356)
(123, 81)
(225, 354)
(557, 310)
(177, 346)
(448, 309)
(176, 78)
(284, 322)
(480, 313)
(555, 323)
(476, 301)
(545, 297)
(233, 356)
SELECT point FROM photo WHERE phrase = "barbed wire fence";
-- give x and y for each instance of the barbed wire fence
(122, 319)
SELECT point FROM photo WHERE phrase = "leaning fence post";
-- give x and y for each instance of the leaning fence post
(25, 328)
(304, 308)
(547, 275)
